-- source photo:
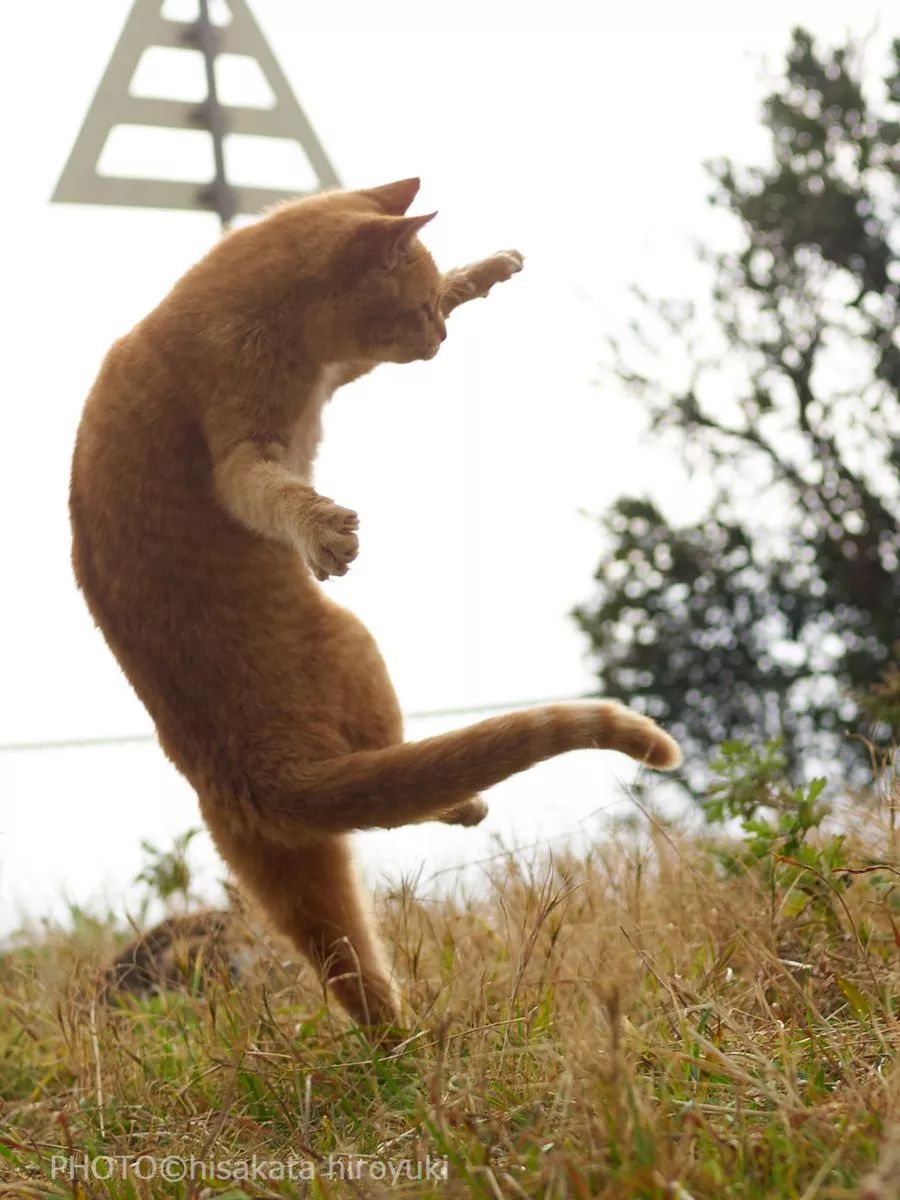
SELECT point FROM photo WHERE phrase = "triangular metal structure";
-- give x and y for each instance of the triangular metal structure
(113, 104)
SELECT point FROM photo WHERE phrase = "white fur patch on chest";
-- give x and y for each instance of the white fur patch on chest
(307, 432)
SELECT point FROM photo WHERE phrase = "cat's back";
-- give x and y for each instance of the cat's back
(139, 468)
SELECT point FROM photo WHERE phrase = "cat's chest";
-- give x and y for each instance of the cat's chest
(307, 431)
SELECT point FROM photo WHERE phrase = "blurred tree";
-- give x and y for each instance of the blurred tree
(764, 617)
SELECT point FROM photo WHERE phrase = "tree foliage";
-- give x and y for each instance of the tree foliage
(767, 615)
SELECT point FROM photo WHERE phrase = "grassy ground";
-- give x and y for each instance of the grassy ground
(658, 1018)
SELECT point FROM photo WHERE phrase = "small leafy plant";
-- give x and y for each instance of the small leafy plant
(781, 825)
(167, 874)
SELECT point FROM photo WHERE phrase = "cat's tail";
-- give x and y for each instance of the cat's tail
(415, 781)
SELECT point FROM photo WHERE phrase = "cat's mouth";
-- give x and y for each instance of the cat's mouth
(419, 353)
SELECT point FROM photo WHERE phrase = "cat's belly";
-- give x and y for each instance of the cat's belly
(229, 641)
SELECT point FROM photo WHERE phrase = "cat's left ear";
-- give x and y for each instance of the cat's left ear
(381, 243)
(394, 198)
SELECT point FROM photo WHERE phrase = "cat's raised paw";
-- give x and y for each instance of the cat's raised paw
(330, 542)
(497, 269)
(511, 260)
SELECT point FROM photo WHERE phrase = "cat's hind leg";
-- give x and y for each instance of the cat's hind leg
(410, 782)
(313, 896)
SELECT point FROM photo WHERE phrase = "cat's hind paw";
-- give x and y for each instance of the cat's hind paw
(467, 812)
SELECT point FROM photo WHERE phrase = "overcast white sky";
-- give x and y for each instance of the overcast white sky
(573, 132)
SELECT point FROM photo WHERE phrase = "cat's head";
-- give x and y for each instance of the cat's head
(378, 291)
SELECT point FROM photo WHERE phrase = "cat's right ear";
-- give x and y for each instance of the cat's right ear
(394, 198)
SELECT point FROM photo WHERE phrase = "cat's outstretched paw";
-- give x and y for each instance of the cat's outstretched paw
(506, 263)
(330, 542)
(477, 279)
(468, 812)
(496, 269)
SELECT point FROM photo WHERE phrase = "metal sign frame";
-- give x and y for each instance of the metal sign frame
(113, 104)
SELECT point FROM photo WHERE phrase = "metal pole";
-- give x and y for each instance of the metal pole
(220, 191)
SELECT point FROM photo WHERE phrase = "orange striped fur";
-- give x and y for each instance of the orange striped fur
(199, 540)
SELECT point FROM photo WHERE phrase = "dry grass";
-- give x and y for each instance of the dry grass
(632, 1023)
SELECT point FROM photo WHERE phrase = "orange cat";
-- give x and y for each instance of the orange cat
(198, 540)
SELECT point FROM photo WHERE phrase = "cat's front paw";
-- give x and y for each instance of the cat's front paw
(505, 264)
(496, 269)
(329, 541)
